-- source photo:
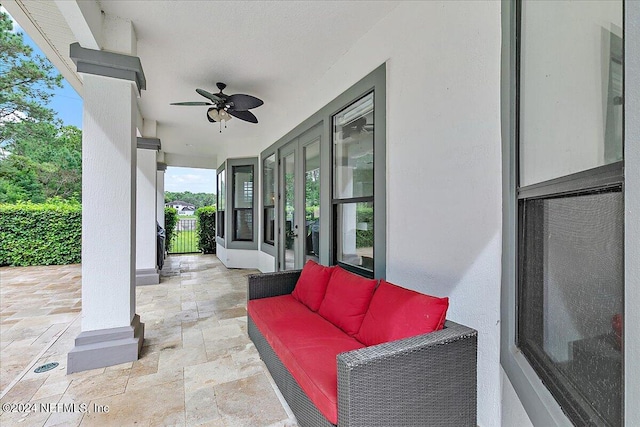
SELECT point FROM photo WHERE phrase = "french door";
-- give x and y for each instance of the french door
(299, 200)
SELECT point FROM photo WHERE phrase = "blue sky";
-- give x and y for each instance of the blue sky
(68, 105)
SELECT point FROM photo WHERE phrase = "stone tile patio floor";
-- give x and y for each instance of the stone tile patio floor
(198, 366)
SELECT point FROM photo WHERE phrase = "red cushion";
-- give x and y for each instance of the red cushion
(307, 345)
(397, 313)
(346, 300)
(312, 284)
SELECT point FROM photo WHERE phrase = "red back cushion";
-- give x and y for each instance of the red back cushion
(397, 313)
(312, 284)
(346, 300)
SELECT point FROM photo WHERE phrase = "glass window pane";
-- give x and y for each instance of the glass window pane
(242, 187)
(222, 191)
(355, 234)
(288, 170)
(269, 181)
(353, 150)
(220, 224)
(571, 301)
(269, 225)
(243, 229)
(312, 200)
(571, 90)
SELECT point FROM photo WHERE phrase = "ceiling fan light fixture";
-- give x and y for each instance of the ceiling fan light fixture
(214, 115)
(224, 115)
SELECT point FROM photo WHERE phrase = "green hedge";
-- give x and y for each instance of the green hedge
(40, 234)
(206, 226)
(170, 221)
(364, 238)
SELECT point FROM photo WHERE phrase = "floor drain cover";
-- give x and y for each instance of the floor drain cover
(45, 368)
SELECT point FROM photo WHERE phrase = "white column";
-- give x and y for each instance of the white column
(146, 271)
(111, 331)
(108, 202)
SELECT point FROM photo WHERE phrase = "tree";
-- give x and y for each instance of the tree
(26, 80)
(40, 157)
(197, 199)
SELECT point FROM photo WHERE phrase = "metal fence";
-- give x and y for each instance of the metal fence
(185, 239)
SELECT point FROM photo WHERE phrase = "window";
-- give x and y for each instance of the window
(353, 192)
(221, 202)
(312, 200)
(570, 209)
(243, 203)
(269, 198)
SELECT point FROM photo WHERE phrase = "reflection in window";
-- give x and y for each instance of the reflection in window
(570, 231)
(353, 150)
(312, 200)
(269, 198)
(353, 183)
(243, 203)
(221, 194)
(288, 171)
(570, 87)
(355, 235)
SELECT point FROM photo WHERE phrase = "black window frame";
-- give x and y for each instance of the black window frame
(220, 195)
(606, 178)
(267, 207)
(336, 202)
(236, 210)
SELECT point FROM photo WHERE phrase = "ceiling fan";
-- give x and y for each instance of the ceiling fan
(224, 107)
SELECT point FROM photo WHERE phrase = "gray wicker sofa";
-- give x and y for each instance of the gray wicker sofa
(425, 380)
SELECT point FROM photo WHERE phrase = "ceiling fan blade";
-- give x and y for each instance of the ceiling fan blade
(191, 103)
(244, 102)
(247, 116)
(209, 95)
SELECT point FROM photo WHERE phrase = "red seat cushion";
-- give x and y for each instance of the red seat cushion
(397, 313)
(312, 284)
(346, 300)
(307, 345)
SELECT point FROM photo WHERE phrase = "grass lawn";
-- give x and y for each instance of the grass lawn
(184, 242)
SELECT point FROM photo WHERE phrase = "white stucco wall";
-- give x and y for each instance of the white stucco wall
(266, 262)
(238, 258)
(443, 160)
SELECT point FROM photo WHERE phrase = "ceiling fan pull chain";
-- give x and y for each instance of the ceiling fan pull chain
(221, 127)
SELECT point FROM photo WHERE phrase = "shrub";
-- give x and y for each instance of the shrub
(41, 234)
(206, 228)
(170, 221)
(364, 238)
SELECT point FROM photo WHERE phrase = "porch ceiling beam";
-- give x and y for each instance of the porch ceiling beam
(84, 20)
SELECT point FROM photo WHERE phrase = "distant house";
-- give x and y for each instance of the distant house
(182, 207)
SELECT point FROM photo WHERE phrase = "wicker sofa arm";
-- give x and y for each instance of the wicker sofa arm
(419, 381)
(271, 284)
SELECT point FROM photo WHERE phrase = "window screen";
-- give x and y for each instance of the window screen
(570, 302)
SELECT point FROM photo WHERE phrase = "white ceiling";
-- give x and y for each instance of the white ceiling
(273, 50)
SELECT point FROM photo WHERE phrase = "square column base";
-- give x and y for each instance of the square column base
(147, 276)
(106, 347)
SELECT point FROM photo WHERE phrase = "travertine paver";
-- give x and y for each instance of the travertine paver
(198, 367)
